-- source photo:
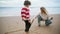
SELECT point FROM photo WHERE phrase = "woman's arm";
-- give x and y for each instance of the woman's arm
(35, 17)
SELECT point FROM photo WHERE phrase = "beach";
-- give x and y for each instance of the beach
(15, 25)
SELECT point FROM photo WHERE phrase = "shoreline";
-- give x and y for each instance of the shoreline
(31, 15)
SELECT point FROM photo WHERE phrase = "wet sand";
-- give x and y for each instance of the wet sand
(15, 25)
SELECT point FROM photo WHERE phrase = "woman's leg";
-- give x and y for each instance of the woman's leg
(27, 26)
(48, 22)
(39, 19)
(38, 22)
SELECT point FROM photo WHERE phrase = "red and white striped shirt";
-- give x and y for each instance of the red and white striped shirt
(25, 13)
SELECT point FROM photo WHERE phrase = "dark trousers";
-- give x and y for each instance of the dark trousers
(47, 21)
(27, 25)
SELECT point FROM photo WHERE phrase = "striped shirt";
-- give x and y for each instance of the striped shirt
(25, 13)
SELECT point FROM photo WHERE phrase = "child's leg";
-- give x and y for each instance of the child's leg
(27, 26)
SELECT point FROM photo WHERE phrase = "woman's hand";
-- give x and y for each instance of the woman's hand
(31, 21)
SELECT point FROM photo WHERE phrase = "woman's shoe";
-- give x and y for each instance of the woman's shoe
(39, 25)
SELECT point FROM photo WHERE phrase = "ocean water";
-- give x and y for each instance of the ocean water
(15, 11)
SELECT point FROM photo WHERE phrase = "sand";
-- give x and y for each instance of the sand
(15, 25)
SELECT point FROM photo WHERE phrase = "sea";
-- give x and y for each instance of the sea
(16, 11)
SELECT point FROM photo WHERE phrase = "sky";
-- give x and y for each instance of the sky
(35, 3)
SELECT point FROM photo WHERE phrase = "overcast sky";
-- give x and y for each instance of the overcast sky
(35, 3)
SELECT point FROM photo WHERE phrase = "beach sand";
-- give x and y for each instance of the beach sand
(15, 25)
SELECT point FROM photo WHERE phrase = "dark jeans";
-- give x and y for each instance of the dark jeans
(27, 25)
(47, 21)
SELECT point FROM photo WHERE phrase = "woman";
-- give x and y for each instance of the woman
(43, 16)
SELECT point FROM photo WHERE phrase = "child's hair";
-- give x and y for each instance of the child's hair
(43, 10)
(27, 2)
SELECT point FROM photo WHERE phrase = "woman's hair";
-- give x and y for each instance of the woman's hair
(27, 2)
(43, 10)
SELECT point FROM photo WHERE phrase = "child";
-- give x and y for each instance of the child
(26, 15)
(43, 16)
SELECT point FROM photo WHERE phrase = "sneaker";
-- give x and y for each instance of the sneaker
(47, 25)
(26, 30)
(39, 25)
